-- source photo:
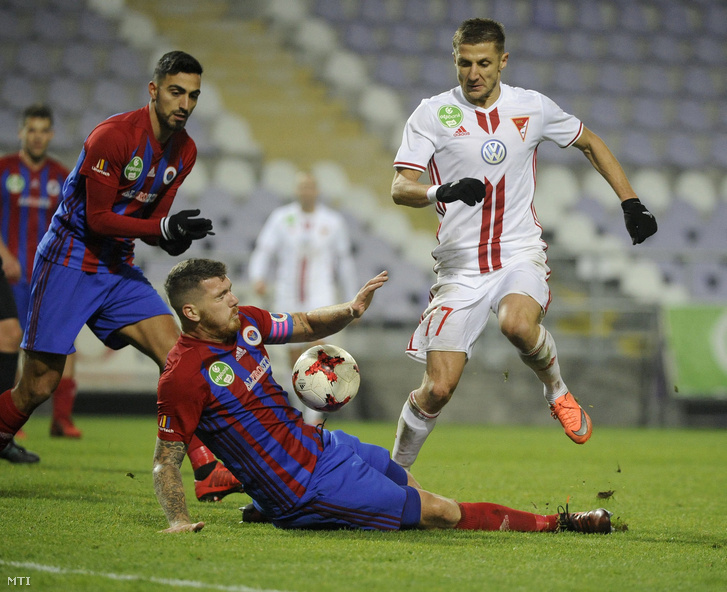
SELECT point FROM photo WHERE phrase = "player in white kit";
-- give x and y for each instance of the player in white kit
(305, 246)
(478, 142)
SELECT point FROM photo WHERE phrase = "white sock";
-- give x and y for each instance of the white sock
(411, 432)
(543, 360)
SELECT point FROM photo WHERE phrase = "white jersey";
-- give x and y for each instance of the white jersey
(451, 139)
(311, 256)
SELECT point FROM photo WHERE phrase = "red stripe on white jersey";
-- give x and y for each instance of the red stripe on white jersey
(493, 210)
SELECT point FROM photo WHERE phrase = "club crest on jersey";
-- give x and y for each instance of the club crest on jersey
(53, 188)
(450, 115)
(252, 336)
(221, 374)
(493, 152)
(169, 173)
(15, 183)
(133, 170)
(521, 123)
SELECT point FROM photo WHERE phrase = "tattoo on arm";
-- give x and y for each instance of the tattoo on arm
(168, 486)
(302, 331)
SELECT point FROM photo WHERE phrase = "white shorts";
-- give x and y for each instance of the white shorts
(460, 304)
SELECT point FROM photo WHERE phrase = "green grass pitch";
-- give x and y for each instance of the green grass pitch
(86, 518)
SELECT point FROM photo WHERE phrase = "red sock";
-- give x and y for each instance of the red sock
(486, 516)
(11, 419)
(63, 398)
(199, 455)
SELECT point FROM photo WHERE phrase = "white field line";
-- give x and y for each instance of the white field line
(130, 577)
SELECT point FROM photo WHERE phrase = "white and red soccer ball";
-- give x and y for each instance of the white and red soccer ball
(326, 377)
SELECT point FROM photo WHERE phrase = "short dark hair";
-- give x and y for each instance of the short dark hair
(480, 30)
(175, 62)
(40, 110)
(186, 276)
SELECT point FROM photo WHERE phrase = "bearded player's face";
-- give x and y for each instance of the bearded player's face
(218, 310)
(174, 99)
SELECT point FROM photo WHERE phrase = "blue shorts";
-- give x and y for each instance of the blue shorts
(63, 299)
(355, 485)
(21, 295)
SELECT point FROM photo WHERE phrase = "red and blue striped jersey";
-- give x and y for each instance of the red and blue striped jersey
(28, 199)
(227, 395)
(121, 152)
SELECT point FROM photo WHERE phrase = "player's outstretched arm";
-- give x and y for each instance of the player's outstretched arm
(168, 486)
(321, 322)
(640, 222)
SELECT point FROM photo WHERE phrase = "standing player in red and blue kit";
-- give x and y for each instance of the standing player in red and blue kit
(121, 188)
(30, 187)
(218, 383)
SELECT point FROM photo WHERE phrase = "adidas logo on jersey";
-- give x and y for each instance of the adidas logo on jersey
(461, 132)
(239, 353)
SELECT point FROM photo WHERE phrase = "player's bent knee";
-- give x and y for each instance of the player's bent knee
(11, 336)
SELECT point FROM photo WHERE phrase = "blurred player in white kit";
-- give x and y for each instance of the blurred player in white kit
(304, 247)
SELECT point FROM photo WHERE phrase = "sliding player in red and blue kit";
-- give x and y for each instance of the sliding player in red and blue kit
(218, 383)
(121, 188)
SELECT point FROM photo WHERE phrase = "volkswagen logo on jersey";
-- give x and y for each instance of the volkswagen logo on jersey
(251, 336)
(169, 174)
(493, 152)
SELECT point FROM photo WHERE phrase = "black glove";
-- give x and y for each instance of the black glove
(184, 225)
(640, 222)
(468, 190)
(175, 247)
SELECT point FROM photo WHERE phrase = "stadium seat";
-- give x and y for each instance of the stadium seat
(126, 64)
(137, 29)
(356, 78)
(81, 60)
(68, 95)
(315, 38)
(336, 11)
(654, 189)
(53, 26)
(380, 108)
(36, 60)
(710, 50)
(19, 91)
(279, 176)
(683, 151)
(233, 135)
(12, 28)
(409, 40)
(235, 176)
(650, 114)
(698, 189)
(332, 179)
(196, 184)
(112, 96)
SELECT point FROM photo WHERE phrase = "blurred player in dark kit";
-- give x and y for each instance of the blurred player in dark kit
(30, 187)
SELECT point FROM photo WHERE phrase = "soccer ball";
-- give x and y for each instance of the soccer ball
(326, 377)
